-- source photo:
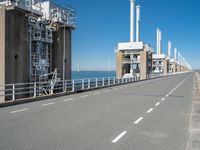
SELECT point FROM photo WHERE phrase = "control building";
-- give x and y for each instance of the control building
(134, 58)
(160, 61)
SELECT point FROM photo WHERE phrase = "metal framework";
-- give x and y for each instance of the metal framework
(40, 41)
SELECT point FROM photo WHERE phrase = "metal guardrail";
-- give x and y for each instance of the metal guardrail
(12, 92)
(38, 89)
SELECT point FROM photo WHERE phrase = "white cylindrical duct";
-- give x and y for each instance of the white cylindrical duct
(137, 23)
(158, 39)
(175, 54)
(169, 49)
(160, 42)
(132, 5)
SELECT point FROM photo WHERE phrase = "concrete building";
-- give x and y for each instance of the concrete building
(35, 40)
(160, 61)
(134, 58)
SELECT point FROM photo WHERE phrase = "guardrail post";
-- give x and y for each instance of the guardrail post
(88, 83)
(73, 86)
(35, 90)
(103, 82)
(65, 86)
(96, 82)
(109, 81)
(13, 92)
(114, 80)
(83, 84)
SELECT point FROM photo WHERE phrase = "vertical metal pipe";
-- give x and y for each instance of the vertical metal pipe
(88, 83)
(64, 54)
(35, 90)
(13, 92)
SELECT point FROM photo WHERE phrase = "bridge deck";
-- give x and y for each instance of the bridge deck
(147, 115)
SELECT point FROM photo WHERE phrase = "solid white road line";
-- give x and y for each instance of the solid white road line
(83, 96)
(150, 110)
(138, 120)
(47, 104)
(20, 110)
(119, 137)
(162, 99)
(157, 103)
(69, 99)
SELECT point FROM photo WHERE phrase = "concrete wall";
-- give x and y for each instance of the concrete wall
(119, 58)
(2, 51)
(58, 52)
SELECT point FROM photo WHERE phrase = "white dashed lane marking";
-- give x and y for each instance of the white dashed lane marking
(162, 99)
(47, 104)
(96, 93)
(157, 104)
(69, 99)
(138, 120)
(83, 96)
(150, 110)
(20, 110)
(119, 137)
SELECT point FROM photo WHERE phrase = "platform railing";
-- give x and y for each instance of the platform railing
(13, 92)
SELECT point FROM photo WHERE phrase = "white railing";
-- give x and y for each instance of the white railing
(39, 89)
(12, 92)
(27, 5)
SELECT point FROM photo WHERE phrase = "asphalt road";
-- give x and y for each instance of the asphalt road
(147, 115)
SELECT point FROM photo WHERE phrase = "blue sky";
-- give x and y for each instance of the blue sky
(101, 24)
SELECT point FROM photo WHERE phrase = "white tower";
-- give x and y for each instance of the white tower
(158, 39)
(169, 49)
(175, 54)
(137, 23)
(160, 42)
(132, 5)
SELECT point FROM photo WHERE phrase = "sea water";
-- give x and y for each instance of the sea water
(92, 74)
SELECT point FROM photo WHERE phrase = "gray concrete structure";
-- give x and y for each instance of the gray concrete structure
(31, 47)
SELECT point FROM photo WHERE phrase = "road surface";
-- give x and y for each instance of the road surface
(147, 115)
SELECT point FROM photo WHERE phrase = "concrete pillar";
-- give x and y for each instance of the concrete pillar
(143, 65)
(119, 58)
(165, 67)
(2, 51)
(61, 52)
(17, 47)
(174, 67)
